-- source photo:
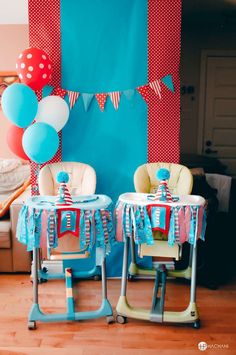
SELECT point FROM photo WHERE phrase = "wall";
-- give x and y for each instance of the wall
(195, 38)
(13, 39)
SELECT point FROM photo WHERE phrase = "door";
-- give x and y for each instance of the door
(220, 111)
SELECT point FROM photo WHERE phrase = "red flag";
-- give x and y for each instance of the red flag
(101, 99)
(59, 92)
(144, 91)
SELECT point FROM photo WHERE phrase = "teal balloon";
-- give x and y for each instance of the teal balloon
(19, 104)
(40, 142)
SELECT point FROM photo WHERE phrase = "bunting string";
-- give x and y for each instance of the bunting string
(114, 96)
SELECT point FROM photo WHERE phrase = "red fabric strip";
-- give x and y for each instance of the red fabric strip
(44, 33)
(164, 24)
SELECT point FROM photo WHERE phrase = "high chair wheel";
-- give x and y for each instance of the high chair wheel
(32, 325)
(97, 277)
(43, 280)
(197, 324)
(121, 319)
(110, 319)
(131, 277)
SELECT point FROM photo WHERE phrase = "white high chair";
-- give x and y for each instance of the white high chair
(145, 181)
(179, 183)
(82, 181)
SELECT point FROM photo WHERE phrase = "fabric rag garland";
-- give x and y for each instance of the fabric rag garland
(180, 223)
(101, 98)
(93, 228)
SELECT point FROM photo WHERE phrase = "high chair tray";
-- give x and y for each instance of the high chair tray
(79, 202)
(134, 198)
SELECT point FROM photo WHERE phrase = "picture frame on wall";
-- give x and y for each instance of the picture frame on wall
(7, 78)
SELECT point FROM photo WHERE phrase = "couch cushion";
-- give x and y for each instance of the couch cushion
(5, 234)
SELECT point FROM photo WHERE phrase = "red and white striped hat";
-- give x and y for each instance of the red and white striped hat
(163, 190)
(63, 197)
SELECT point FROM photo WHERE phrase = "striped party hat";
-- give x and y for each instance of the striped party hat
(163, 192)
(63, 197)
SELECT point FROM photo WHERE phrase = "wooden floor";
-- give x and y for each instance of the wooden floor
(217, 310)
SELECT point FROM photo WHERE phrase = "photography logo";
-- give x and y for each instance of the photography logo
(202, 346)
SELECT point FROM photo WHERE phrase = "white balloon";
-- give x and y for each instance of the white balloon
(54, 111)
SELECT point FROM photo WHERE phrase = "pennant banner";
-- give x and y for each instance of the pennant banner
(115, 99)
(144, 91)
(155, 85)
(129, 94)
(101, 99)
(167, 80)
(87, 99)
(73, 96)
(59, 92)
(115, 95)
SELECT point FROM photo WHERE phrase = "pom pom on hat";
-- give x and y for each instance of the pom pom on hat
(62, 176)
(163, 174)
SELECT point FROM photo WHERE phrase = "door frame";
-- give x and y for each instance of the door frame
(205, 54)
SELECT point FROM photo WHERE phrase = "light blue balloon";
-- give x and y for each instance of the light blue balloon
(40, 142)
(19, 104)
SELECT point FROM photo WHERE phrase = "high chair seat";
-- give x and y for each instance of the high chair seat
(179, 183)
(82, 178)
(160, 248)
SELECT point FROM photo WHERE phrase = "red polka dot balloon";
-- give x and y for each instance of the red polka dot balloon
(34, 68)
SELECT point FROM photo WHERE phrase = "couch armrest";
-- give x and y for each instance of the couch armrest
(21, 259)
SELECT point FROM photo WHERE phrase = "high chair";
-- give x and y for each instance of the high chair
(145, 181)
(140, 217)
(82, 181)
(72, 229)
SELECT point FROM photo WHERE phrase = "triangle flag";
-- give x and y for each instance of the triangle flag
(101, 99)
(87, 99)
(167, 80)
(144, 91)
(73, 96)
(115, 99)
(59, 92)
(129, 94)
(155, 85)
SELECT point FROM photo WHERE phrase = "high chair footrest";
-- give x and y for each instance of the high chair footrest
(160, 248)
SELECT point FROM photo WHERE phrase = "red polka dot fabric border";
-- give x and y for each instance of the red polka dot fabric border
(44, 33)
(164, 29)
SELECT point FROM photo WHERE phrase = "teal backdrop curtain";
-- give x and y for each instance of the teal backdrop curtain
(104, 48)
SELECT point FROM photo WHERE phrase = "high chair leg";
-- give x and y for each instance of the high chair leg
(69, 294)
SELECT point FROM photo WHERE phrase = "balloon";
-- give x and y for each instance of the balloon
(14, 141)
(40, 142)
(34, 68)
(19, 104)
(54, 111)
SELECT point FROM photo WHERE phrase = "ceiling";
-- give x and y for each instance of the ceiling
(194, 11)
